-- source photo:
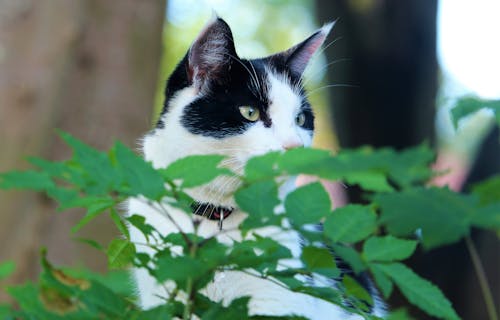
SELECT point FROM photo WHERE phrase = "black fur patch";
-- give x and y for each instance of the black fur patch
(216, 114)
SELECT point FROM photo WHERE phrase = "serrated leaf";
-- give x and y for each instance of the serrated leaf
(350, 224)
(90, 242)
(120, 253)
(373, 181)
(95, 207)
(138, 175)
(139, 222)
(442, 215)
(320, 260)
(418, 291)
(262, 167)
(32, 180)
(382, 281)
(307, 204)
(317, 258)
(258, 200)
(120, 225)
(179, 268)
(237, 309)
(305, 160)
(195, 170)
(6, 269)
(98, 174)
(350, 256)
(388, 248)
(353, 288)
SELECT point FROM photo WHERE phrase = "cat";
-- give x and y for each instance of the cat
(216, 102)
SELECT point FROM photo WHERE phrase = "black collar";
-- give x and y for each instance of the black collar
(210, 211)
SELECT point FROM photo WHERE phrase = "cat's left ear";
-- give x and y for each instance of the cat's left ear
(297, 57)
(211, 54)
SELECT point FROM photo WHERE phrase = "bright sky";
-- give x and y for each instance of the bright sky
(469, 44)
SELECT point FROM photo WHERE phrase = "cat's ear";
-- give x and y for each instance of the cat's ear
(297, 57)
(211, 54)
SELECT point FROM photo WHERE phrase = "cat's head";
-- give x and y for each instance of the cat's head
(216, 102)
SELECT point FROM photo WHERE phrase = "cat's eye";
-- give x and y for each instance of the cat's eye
(300, 119)
(250, 113)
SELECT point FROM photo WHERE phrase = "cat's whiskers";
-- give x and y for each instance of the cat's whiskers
(309, 77)
(259, 89)
(331, 86)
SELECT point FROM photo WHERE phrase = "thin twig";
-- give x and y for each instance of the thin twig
(483, 281)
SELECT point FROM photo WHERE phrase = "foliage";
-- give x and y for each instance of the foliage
(468, 105)
(385, 230)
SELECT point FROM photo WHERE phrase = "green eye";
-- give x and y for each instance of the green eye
(250, 113)
(300, 119)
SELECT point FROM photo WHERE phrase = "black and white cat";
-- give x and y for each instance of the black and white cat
(217, 103)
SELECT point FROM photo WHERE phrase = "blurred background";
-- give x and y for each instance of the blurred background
(389, 74)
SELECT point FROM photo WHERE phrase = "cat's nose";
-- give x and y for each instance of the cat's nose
(292, 144)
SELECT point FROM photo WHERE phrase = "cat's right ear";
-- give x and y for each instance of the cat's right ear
(211, 54)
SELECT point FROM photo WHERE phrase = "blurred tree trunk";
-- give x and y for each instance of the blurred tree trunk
(86, 67)
(392, 50)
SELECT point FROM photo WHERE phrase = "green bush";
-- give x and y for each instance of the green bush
(384, 230)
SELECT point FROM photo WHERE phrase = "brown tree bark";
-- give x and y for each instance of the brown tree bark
(86, 67)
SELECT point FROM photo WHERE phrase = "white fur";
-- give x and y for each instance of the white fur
(172, 142)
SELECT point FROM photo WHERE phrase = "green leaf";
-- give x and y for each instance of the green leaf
(320, 260)
(120, 253)
(353, 288)
(317, 258)
(6, 269)
(442, 215)
(388, 248)
(90, 242)
(350, 224)
(120, 225)
(258, 253)
(6, 312)
(237, 309)
(399, 314)
(139, 222)
(487, 217)
(162, 312)
(262, 167)
(488, 190)
(351, 256)
(469, 105)
(258, 200)
(95, 207)
(179, 268)
(195, 170)
(305, 160)
(383, 282)
(96, 170)
(373, 181)
(418, 291)
(31, 180)
(138, 174)
(307, 204)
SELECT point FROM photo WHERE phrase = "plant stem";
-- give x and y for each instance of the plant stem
(483, 281)
(188, 307)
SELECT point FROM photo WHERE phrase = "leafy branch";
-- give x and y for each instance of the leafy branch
(384, 230)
